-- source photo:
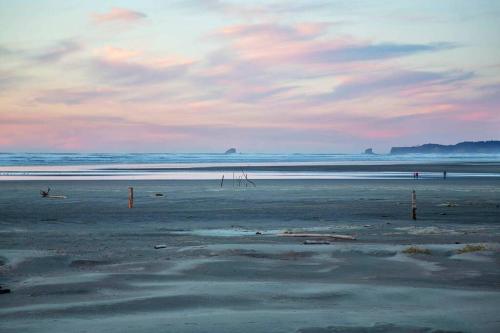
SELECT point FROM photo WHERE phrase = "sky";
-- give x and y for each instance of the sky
(309, 76)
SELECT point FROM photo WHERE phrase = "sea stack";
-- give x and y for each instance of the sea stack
(369, 151)
(230, 151)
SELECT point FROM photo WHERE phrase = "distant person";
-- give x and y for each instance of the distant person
(444, 174)
(416, 175)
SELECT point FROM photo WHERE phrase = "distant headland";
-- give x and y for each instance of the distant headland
(469, 147)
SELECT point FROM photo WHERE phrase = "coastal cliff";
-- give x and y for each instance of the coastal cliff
(470, 147)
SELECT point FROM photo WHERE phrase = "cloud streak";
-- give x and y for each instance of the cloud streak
(58, 51)
(382, 85)
(370, 52)
(125, 67)
(75, 96)
(301, 43)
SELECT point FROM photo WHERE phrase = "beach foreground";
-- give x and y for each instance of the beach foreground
(87, 263)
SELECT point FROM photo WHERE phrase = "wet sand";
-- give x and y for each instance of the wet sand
(383, 166)
(87, 263)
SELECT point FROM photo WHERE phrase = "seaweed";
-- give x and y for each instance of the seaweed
(416, 250)
(472, 248)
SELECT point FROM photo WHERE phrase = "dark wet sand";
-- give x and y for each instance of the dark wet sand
(87, 263)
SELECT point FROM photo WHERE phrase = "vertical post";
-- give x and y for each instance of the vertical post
(414, 205)
(130, 197)
(222, 181)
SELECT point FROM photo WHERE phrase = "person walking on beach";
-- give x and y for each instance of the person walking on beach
(444, 174)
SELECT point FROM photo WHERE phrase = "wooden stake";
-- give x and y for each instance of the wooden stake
(414, 205)
(130, 197)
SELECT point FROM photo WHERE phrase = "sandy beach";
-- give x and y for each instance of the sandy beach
(87, 263)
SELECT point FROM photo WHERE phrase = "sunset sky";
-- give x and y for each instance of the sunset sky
(261, 76)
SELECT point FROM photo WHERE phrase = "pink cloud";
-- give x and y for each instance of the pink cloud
(308, 43)
(475, 116)
(118, 15)
(117, 54)
(121, 66)
(82, 133)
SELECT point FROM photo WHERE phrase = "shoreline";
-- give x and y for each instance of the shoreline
(253, 171)
(476, 167)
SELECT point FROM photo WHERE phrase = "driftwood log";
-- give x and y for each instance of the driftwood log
(323, 236)
(316, 242)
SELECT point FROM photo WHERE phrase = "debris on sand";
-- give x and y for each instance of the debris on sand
(46, 194)
(160, 246)
(448, 204)
(416, 250)
(472, 248)
(158, 194)
(316, 242)
(310, 235)
(4, 291)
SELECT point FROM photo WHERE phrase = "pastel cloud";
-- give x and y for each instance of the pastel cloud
(9, 80)
(394, 82)
(301, 43)
(58, 51)
(257, 9)
(126, 67)
(118, 14)
(75, 96)
(368, 52)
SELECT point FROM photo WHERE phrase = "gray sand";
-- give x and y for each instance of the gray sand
(87, 263)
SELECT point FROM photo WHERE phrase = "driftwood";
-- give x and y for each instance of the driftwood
(330, 236)
(245, 177)
(249, 181)
(160, 246)
(46, 194)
